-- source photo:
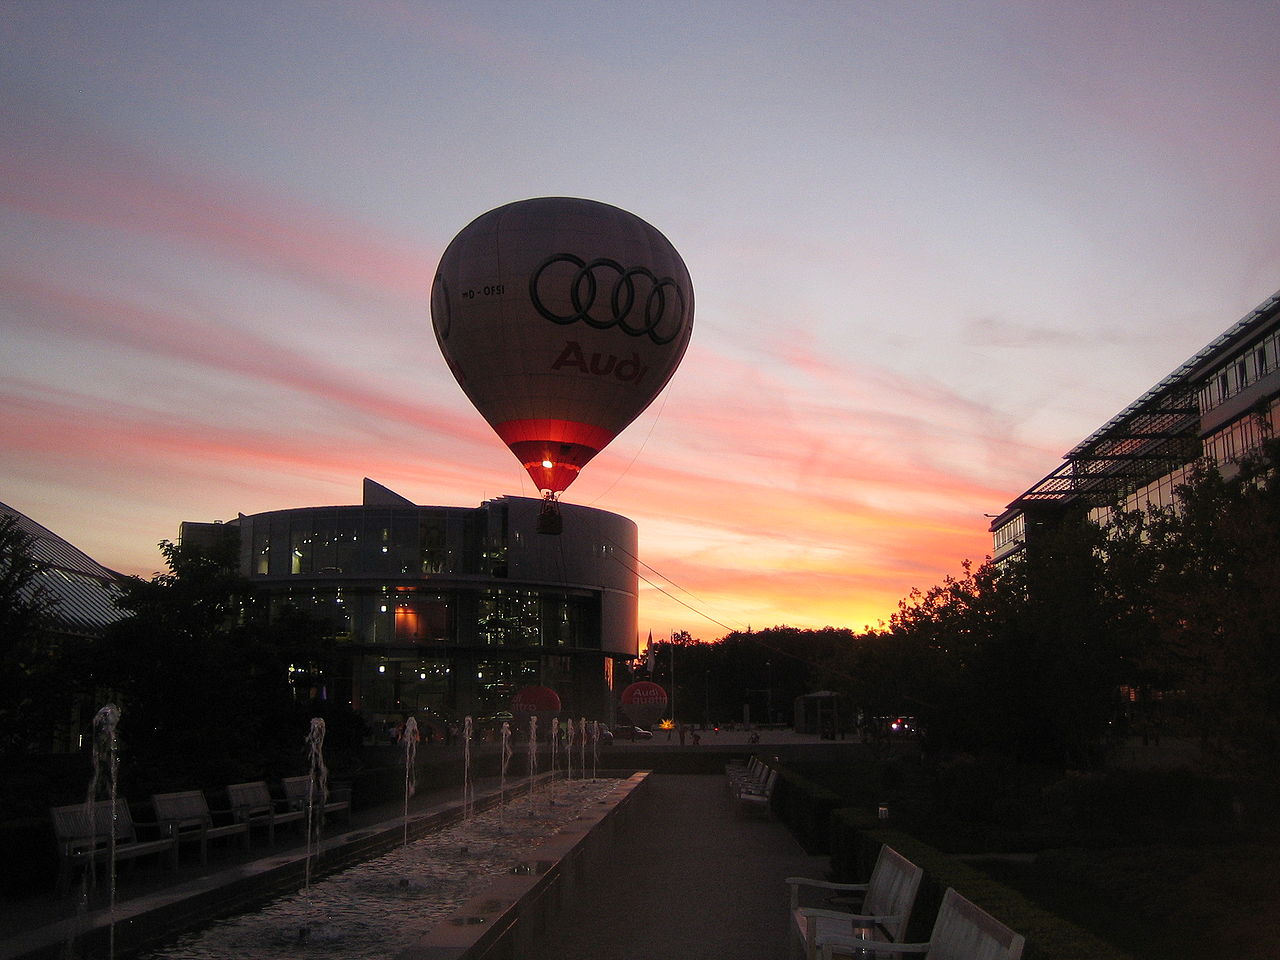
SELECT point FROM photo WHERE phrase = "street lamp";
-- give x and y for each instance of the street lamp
(768, 713)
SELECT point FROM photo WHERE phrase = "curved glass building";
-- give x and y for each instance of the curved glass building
(447, 611)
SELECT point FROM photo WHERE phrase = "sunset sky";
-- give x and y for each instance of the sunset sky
(934, 246)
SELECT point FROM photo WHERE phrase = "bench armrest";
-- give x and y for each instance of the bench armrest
(795, 883)
(826, 884)
(857, 919)
(868, 947)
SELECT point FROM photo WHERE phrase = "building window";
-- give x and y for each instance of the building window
(431, 544)
(423, 620)
(300, 546)
(261, 548)
(1240, 371)
(1238, 439)
(1012, 532)
(509, 618)
(498, 680)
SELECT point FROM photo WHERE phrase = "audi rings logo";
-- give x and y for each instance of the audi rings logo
(637, 302)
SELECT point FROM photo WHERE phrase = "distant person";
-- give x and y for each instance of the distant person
(681, 729)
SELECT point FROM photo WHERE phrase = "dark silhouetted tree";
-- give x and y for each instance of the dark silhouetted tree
(202, 675)
(31, 692)
(1202, 594)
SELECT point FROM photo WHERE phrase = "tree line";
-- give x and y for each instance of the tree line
(1155, 622)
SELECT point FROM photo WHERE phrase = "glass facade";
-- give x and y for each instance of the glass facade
(446, 611)
(363, 540)
(1237, 439)
(1239, 371)
(1218, 407)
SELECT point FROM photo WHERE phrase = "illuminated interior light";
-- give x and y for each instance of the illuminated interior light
(547, 464)
(382, 668)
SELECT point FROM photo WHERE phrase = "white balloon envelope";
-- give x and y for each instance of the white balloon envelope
(562, 319)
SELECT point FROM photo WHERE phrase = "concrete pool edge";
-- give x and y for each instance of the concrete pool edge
(517, 908)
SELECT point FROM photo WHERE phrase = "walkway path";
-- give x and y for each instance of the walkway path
(690, 880)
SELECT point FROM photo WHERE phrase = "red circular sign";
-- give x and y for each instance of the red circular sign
(535, 700)
(644, 693)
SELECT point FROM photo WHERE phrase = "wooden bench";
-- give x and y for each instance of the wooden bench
(752, 773)
(297, 791)
(84, 834)
(758, 797)
(186, 817)
(883, 910)
(962, 931)
(252, 804)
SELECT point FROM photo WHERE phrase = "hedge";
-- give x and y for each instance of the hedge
(806, 808)
(856, 837)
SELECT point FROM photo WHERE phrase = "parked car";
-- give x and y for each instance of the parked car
(624, 732)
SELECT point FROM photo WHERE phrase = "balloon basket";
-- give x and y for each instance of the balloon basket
(549, 519)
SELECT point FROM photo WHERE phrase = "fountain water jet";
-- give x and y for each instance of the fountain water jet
(568, 752)
(409, 741)
(595, 747)
(317, 792)
(106, 759)
(506, 759)
(468, 788)
(533, 754)
(555, 745)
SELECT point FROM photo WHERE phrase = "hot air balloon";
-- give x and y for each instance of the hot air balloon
(561, 319)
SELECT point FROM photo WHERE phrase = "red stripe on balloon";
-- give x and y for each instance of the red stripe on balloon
(554, 431)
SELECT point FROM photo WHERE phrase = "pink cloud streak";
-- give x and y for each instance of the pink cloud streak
(65, 172)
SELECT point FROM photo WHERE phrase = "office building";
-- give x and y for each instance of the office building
(448, 611)
(1218, 406)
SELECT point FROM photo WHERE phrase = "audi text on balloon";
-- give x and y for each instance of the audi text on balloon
(629, 370)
